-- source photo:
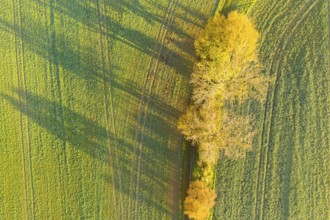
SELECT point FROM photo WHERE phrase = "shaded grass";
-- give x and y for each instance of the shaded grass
(77, 84)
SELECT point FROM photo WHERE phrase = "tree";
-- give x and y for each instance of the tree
(236, 134)
(200, 200)
(199, 122)
(228, 39)
(218, 131)
(247, 83)
(228, 70)
(228, 63)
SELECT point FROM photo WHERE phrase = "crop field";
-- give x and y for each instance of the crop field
(90, 92)
(286, 176)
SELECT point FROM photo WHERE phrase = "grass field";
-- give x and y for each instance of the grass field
(286, 176)
(90, 92)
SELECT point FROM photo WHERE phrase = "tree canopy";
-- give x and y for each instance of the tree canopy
(227, 73)
(228, 70)
(200, 200)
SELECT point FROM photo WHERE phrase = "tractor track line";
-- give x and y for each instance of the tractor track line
(26, 109)
(56, 84)
(328, 5)
(280, 47)
(164, 19)
(20, 114)
(145, 112)
(267, 101)
(113, 124)
(270, 20)
(251, 6)
(262, 41)
(106, 109)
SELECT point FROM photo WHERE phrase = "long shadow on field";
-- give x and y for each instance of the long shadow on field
(156, 102)
(70, 127)
(190, 16)
(72, 56)
(61, 49)
(84, 134)
(87, 11)
(100, 19)
(58, 50)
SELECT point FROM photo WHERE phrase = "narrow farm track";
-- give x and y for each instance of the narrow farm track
(107, 112)
(280, 49)
(275, 14)
(152, 74)
(144, 102)
(20, 114)
(55, 83)
(26, 110)
(285, 39)
(145, 112)
(113, 124)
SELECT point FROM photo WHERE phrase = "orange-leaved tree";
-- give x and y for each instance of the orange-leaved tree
(228, 70)
(200, 200)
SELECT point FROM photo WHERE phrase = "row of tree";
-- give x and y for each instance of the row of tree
(227, 72)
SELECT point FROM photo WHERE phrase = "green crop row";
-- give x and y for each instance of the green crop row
(90, 92)
(286, 176)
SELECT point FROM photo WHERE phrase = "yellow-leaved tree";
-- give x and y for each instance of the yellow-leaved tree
(227, 72)
(228, 63)
(228, 39)
(200, 201)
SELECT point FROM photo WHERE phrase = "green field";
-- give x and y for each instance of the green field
(90, 92)
(286, 176)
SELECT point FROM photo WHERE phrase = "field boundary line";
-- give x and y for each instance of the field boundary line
(304, 11)
(152, 81)
(106, 108)
(20, 114)
(26, 109)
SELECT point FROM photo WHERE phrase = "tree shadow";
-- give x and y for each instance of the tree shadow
(156, 101)
(65, 124)
(81, 132)
(97, 20)
(228, 8)
(84, 134)
(55, 47)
